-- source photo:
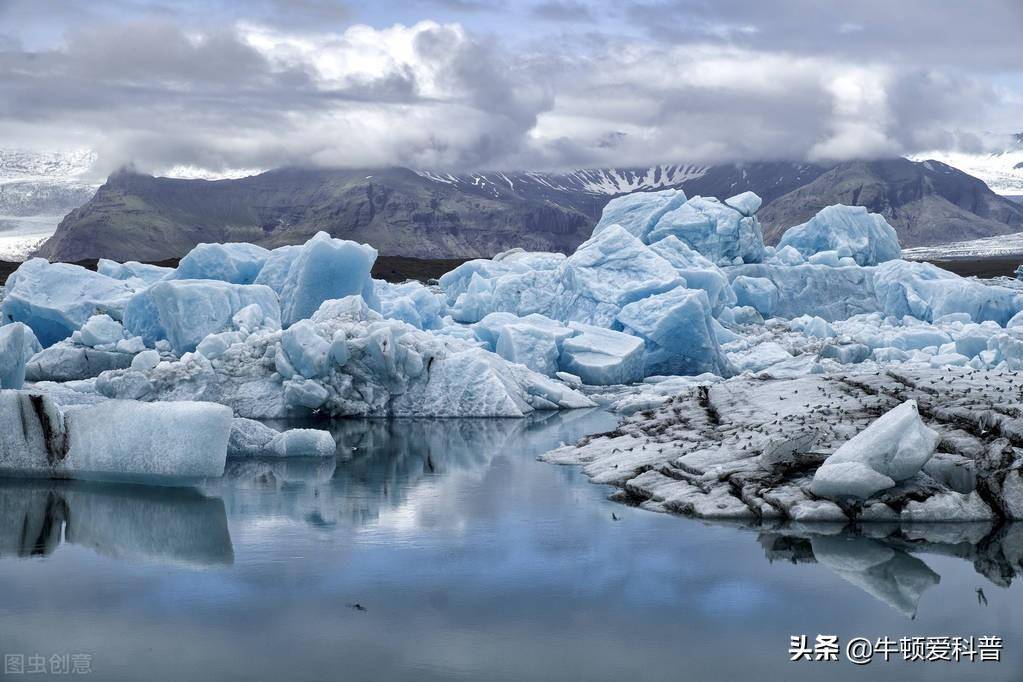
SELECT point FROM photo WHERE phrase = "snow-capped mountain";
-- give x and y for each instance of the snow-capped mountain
(36, 190)
(1002, 170)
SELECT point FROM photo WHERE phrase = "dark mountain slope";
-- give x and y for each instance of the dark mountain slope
(926, 202)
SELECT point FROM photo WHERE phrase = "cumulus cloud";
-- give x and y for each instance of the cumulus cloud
(610, 84)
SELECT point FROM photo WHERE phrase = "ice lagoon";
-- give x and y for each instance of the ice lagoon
(472, 560)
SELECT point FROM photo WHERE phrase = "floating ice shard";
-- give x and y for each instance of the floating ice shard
(892, 449)
(56, 299)
(848, 231)
(114, 440)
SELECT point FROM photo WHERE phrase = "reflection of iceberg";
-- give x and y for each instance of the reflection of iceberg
(887, 574)
(878, 559)
(174, 525)
(382, 461)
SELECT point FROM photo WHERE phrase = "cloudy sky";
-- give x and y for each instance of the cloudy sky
(497, 84)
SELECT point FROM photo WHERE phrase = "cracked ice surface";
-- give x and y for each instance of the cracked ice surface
(748, 447)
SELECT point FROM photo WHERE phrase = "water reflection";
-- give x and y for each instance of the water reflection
(881, 560)
(168, 525)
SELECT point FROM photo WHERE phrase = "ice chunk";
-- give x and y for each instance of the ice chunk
(235, 263)
(413, 303)
(17, 345)
(530, 345)
(117, 440)
(747, 203)
(602, 357)
(249, 438)
(756, 292)
(320, 270)
(927, 292)
(56, 299)
(697, 271)
(610, 270)
(679, 332)
(829, 293)
(147, 359)
(716, 230)
(849, 479)
(307, 351)
(67, 362)
(129, 269)
(895, 446)
(867, 237)
(184, 312)
(100, 330)
(638, 212)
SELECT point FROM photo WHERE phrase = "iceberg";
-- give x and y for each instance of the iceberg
(184, 312)
(608, 271)
(413, 303)
(697, 271)
(114, 440)
(320, 270)
(69, 362)
(238, 263)
(637, 213)
(927, 292)
(679, 332)
(892, 449)
(17, 345)
(529, 345)
(57, 299)
(149, 274)
(602, 357)
(849, 231)
(756, 292)
(250, 438)
(359, 364)
(716, 230)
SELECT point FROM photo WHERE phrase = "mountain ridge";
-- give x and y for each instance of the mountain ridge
(424, 214)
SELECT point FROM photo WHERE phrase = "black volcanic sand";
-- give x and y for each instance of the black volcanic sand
(390, 268)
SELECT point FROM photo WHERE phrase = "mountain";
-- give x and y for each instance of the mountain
(927, 202)
(1001, 170)
(425, 214)
(36, 191)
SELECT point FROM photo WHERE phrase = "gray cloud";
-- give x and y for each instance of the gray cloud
(569, 84)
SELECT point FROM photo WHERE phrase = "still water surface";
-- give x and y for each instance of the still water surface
(441, 549)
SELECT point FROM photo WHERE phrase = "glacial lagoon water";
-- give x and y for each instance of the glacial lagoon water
(441, 549)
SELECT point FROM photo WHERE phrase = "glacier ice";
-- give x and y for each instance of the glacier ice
(637, 213)
(847, 231)
(41, 436)
(358, 362)
(601, 357)
(56, 299)
(99, 330)
(529, 345)
(716, 230)
(756, 292)
(145, 272)
(237, 263)
(892, 449)
(17, 345)
(678, 329)
(320, 270)
(67, 361)
(184, 312)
